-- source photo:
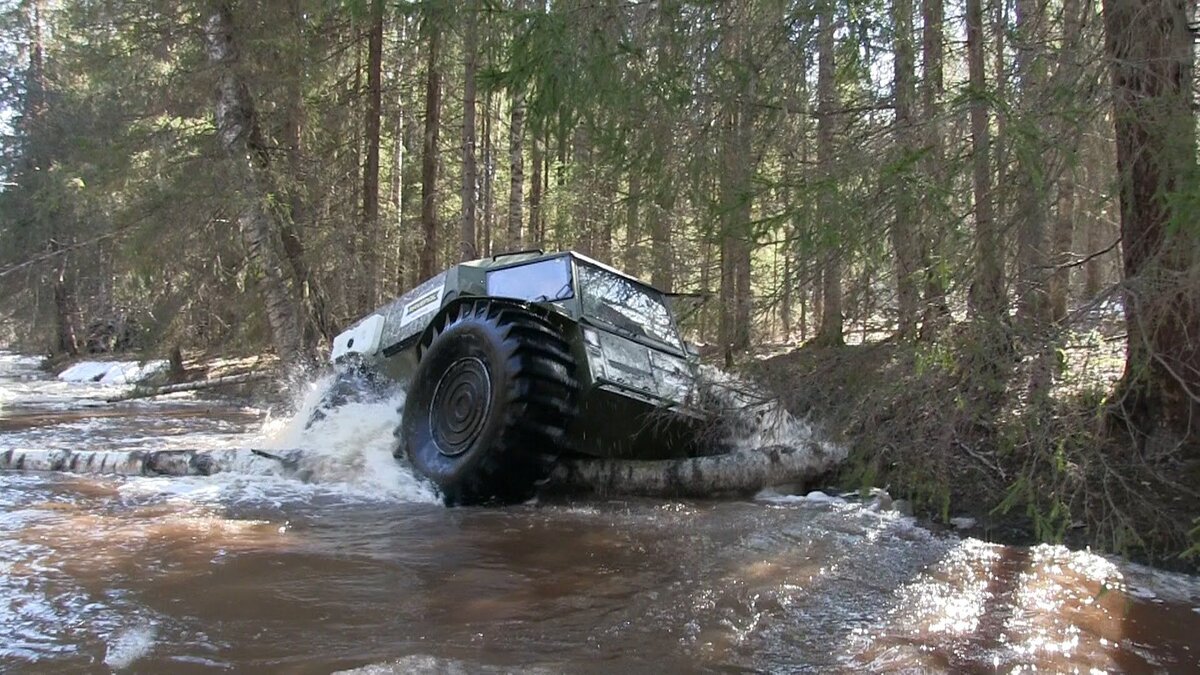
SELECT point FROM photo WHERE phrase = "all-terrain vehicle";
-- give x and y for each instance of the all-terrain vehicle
(512, 361)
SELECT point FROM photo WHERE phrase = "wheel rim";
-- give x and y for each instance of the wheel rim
(460, 406)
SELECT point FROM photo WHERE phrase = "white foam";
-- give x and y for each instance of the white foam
(758, 420)
(129, 645)
(9, 360)
(352, 445)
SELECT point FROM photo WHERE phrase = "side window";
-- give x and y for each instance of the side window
(547, 280)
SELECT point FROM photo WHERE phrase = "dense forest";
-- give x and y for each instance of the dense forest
(978, 217)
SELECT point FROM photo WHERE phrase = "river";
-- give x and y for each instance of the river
(360, 568)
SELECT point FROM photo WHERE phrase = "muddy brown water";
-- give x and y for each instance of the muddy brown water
(361, 568)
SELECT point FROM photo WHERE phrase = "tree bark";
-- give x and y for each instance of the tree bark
(737, 162)
(308, 286)
(737, 473)
(429, 157)
(66, 311)
(1031, 177)
(1150, 48)
(933, 203)
(904, 242)
(831, 332)
(241, 139)
(1067, 80)
(660, 183)
(516, 163)
(468, 245)
(488, 237)
(988, 289)
(371, 235)
(536, 218)
(633, 228)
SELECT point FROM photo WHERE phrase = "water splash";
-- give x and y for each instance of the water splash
(130, 645)
(350, 444)
(753, 419)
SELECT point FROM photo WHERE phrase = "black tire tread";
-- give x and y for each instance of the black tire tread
(543, 403)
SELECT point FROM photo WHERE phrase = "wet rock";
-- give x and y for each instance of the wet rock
(962, 523)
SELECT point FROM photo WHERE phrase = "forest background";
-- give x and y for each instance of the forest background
(976, 219)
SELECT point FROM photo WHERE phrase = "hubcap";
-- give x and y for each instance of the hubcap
(461, 403)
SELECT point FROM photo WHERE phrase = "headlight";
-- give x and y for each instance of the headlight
(591, 337)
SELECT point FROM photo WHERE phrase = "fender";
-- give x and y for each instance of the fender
(438, 322)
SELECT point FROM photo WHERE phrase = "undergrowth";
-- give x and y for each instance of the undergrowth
(934, 424)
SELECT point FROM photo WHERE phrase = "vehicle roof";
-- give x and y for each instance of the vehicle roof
(518, 257)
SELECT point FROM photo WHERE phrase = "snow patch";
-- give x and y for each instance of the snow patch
(112, 372)
(771, 496)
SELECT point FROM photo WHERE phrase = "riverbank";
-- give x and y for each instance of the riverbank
(147, 373)
(920, 422)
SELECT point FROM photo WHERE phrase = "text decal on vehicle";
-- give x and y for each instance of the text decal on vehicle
(421, 306)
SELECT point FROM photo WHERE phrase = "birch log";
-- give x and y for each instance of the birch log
(211, 382)
(742, 472)
(119, 462)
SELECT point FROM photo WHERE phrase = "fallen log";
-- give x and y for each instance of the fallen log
(140, 392)
(740, 472)
(119, 462)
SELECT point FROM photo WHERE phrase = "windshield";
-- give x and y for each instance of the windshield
(546, 280)
(625, 305)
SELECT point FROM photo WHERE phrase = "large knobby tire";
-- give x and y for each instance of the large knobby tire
(487, 411)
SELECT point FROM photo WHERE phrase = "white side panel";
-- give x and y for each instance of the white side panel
(362, 339)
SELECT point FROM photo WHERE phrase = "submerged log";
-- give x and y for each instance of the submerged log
(119, 462)
(198, 385)
(741, 472)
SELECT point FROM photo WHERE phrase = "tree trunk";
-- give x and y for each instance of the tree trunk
(241, 139)
(661, 181)
(1093, 270)
(744, 472)
(904, 242)
(536, 231)
(633, 229)
(987, 297)
(308, 286)
(487, 184)
(372, 244)
(1150, 48)
(66, 311)
(398, 193)
(933, 203)
(1067, 80)
(737, 172)
(1033, 187)
(468, 248)
(516, 163)
(429, 157)
(831, 317)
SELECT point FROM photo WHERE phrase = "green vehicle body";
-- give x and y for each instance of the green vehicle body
(635, 375)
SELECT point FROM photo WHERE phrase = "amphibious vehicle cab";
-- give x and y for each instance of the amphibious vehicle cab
(512, 361)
